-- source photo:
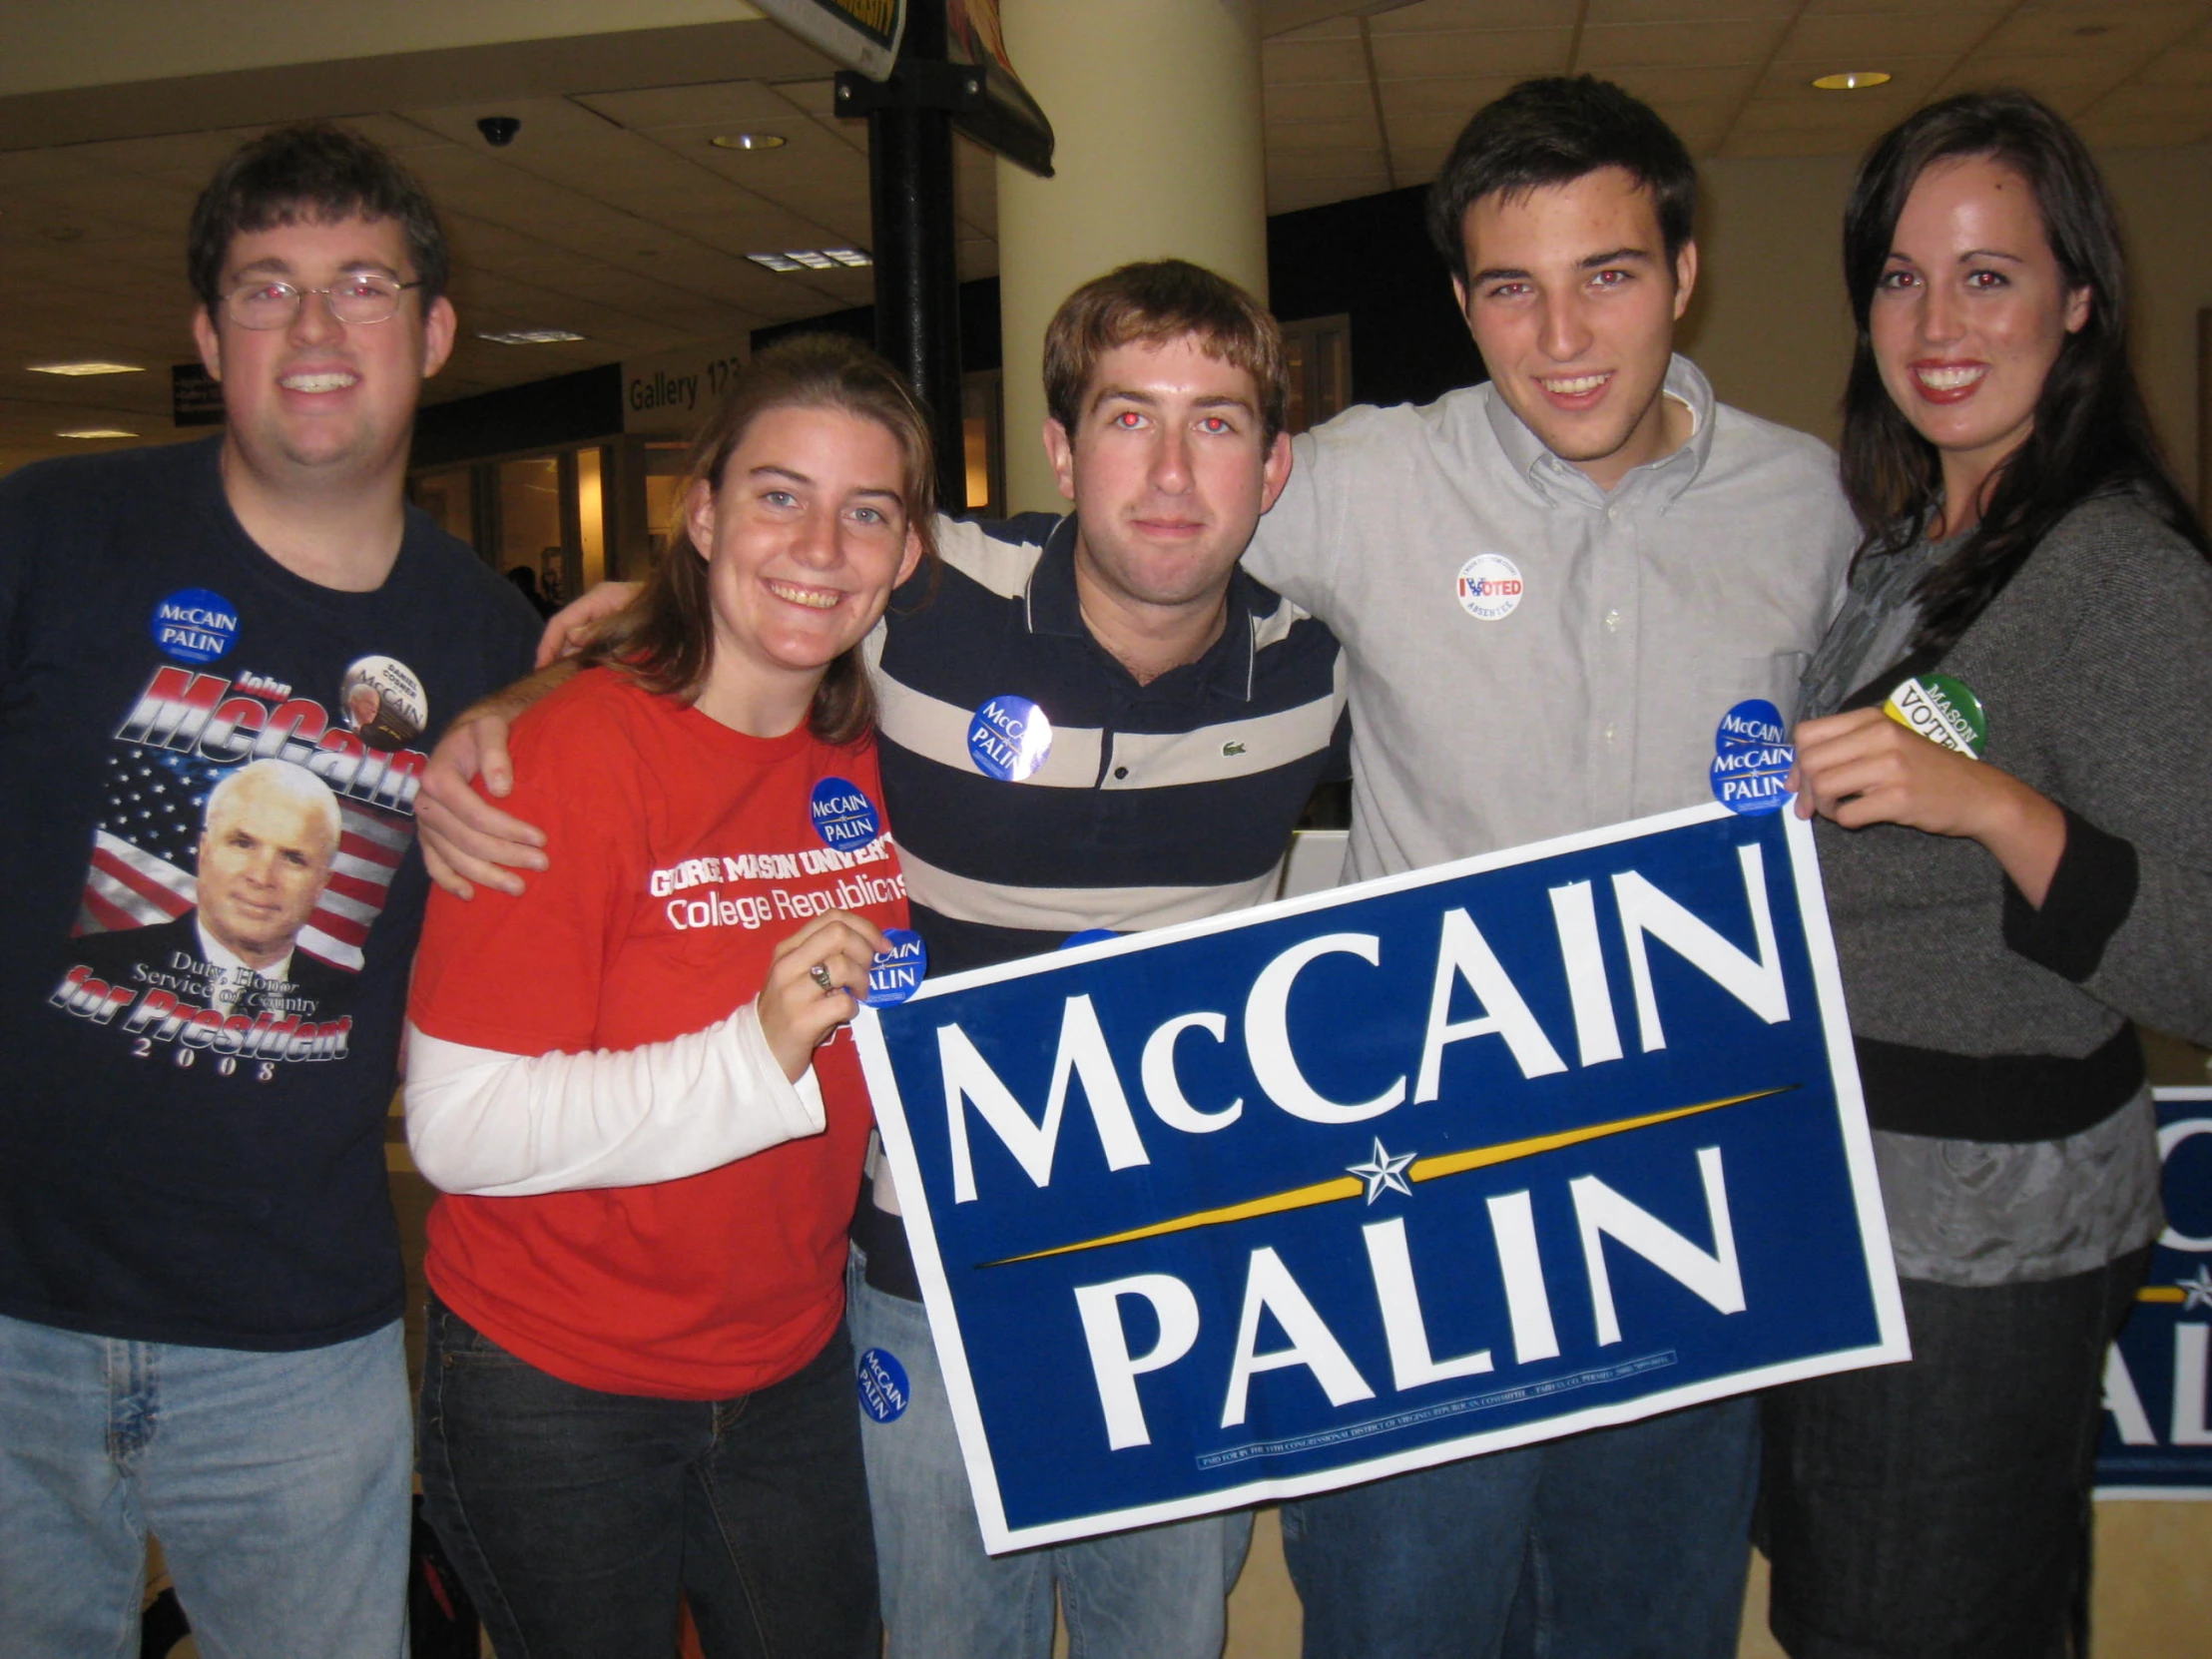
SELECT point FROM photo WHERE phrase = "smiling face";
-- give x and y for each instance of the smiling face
(1572, 303)
(319, 398)
(1968, 316)
(805, 537)
(265, 857)
(1169, 470)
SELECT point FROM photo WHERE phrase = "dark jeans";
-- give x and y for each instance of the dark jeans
(576, 1518)
(1619, 1543)
(1940, 1507)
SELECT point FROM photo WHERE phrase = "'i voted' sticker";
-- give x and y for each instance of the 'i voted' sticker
(1751, 758)
(1490, 587)
(845, 817)
(1942, 710)
(884, 1395)
(897, 974)
(194, 625)
(1008, 738)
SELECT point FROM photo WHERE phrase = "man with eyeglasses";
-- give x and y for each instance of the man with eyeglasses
(199, 1275)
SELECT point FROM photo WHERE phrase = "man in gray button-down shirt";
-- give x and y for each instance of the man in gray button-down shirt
(1549, 588)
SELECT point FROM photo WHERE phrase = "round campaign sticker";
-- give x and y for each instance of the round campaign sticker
(1089, 936)
(1489, 586)
(1942, 710)
(845, 817)
(882, 1379)
(1008, 738)
(1753, 724)
(1750, 758)
(383, 702)
(194, 625)
(897, 974)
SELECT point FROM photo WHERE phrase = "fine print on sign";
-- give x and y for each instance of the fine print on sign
(1383, 1177)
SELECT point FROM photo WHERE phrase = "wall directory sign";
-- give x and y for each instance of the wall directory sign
(1377, 1177)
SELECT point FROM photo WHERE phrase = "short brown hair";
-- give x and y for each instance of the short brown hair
(664, 639)
(1153, 303)
(314, 173)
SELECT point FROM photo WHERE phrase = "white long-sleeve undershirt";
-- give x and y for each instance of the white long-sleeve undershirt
(512, 1125)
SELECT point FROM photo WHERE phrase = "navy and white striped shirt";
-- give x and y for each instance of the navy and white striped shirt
(1158, 803)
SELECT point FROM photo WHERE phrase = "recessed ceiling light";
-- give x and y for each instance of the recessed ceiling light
(89, 366)
(531, 336)
(96, 432)
(811, 258)
(1853, 80)
(776, 261)
(853, 257)
(747, 141)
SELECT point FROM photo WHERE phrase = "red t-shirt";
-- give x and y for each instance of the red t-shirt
(682, 853)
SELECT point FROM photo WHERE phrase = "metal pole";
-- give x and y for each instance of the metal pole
(917, 274)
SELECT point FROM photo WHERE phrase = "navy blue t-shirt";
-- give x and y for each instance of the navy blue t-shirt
(201, 1007)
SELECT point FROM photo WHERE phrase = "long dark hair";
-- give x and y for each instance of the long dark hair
(2091, 434)
(664, 639)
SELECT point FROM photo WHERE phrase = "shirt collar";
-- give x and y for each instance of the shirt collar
(1052, 606)
(1667, 476)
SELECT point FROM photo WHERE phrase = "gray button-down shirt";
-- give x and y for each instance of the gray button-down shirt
(1486, 715)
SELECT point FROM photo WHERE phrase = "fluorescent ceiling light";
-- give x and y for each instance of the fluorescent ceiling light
(853, 256)
(96, 432)
(1853, 80)
(89, 366)
(747, 141)
(815, 258)
(531, 336)
(812, 259)
(776, 261)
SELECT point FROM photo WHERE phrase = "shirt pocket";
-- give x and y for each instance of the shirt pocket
(1727, 681)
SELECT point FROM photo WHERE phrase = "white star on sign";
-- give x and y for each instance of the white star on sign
(2197, 1292)
(1382, 1171)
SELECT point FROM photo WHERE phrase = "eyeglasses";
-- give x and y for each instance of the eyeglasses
(363, 298)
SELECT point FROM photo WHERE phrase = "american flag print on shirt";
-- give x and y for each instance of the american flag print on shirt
(186, 733)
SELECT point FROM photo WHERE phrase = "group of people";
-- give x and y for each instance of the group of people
(669, 860)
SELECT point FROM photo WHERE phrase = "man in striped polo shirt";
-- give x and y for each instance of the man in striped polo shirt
(1173, 716)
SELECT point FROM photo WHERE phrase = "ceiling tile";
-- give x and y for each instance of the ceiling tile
(1702, 12)
(1476, 14)
(1490, 52)
(1688, 82)
(1344, 162)
(1869, 40)
(1294, 136)
(1453, 101)
(2129, 28)
(1677, 43)
(1320, 101)
(1912, 81)
(1298, 61)
(711, 102)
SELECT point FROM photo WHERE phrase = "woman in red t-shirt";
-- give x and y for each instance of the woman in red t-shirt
(633, 1083)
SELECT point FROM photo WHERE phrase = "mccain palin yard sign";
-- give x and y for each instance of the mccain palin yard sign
(1443, 1163)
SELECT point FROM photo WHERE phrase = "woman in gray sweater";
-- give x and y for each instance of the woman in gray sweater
(2007, 894)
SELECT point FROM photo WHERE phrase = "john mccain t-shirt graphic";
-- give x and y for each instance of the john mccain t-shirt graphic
(246, 845)
(212, 901)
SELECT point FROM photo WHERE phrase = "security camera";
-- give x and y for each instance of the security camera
(499, 129)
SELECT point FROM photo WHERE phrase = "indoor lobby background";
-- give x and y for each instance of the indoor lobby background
(681, 189)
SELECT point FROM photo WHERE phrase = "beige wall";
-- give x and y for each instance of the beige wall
(1770, 326)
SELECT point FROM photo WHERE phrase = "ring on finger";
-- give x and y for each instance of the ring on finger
(820, 974)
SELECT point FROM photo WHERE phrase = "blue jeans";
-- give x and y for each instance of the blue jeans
(576, 1518)
(1160, 1592)
(1619, 1543)
(278, 1484)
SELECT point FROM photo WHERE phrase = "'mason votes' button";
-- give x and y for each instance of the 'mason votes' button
(1008, 738)
(1942, 710)
(897, 974)
(845, 817)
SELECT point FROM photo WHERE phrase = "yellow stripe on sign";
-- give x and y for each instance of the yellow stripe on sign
(2161, 1293)
(1424, 1169)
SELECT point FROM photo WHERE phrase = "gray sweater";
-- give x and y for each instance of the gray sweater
(2095, 667)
